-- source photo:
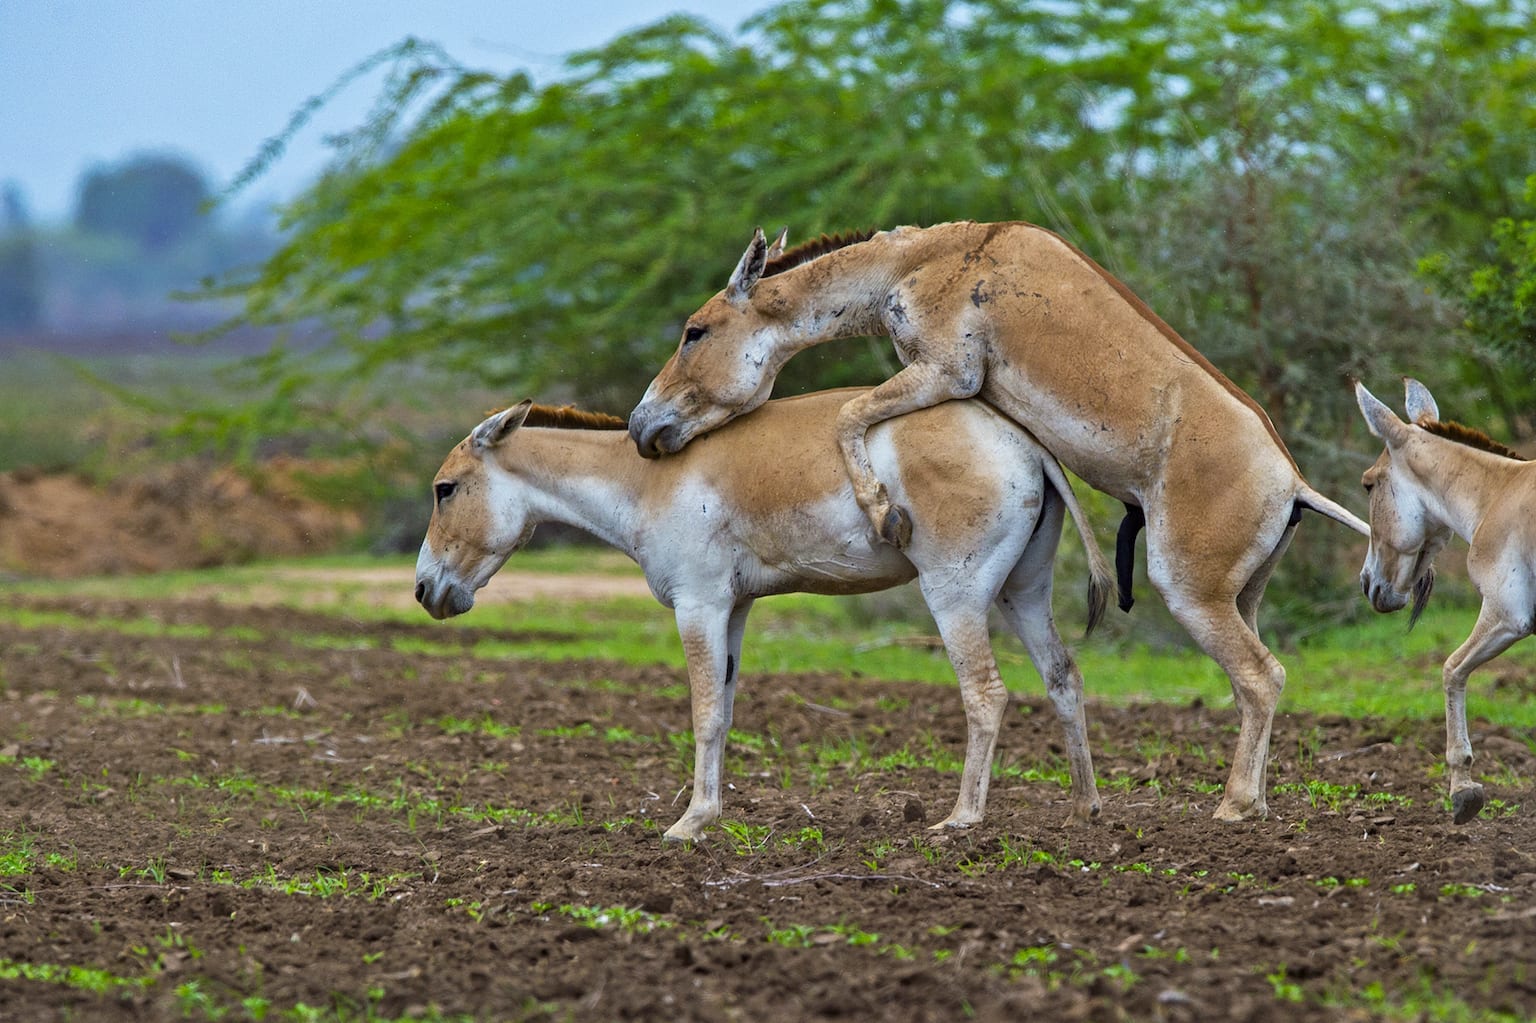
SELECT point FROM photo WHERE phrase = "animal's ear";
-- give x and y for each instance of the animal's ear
(1421, 404)
(1382, 420)
(749, 270)
(777, 248)
(499, 426)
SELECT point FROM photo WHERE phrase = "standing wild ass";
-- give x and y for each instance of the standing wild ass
(765, 507)
(1434, 479)
(1017, 315)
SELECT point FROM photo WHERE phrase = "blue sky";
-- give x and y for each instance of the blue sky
(93, 81)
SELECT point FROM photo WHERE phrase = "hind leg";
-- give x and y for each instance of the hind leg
(1257, 680)
(1025, 602)
(1253, 592)
(958, 590)
(1212, 581)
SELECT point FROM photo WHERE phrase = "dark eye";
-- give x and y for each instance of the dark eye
(444, 490)
(692, 334)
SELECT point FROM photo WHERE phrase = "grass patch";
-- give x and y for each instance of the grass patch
(1371, 668)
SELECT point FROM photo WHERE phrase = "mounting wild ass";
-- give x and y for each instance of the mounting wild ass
(1434, 479)
(1017, 315)
(765, 507)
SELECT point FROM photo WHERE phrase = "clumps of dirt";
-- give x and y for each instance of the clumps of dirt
(225, 806)
(180, 516)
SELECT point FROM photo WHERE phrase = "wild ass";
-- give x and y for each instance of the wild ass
(765, 507)
(1434, 479)
(1015, 314)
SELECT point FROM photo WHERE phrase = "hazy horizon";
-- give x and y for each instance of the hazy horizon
(94, 84)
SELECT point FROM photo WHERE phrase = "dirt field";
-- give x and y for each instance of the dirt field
(245, 813)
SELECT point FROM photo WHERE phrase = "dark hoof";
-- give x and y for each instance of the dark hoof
(896, 529)
(1467, 804)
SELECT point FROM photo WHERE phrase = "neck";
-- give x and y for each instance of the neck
(839, 295)
(1459, 497)
(583, 478)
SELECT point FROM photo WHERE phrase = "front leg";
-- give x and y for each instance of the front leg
(920, 385)
(712, 645)
(1491, 636)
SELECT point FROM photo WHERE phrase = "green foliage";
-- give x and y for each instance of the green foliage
(1497, 288)
(1252, 168)
(1265, 174)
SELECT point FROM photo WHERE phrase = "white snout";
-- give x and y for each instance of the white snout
(438, 589)
(1391, 591)
(1382, 596)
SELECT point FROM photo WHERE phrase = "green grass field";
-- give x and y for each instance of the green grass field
(53, 417)
(1376, 667)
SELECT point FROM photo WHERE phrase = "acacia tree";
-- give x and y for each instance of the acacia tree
(20, 272)
(151, 200)
(1264, 172)
(528, 232)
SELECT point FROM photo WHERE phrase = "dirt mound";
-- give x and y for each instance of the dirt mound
(188, 515)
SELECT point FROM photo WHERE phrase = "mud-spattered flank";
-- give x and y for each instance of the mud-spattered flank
(214, 812)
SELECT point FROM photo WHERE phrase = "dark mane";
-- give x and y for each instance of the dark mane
(807, 251)
(569, 417)
(1470, 437)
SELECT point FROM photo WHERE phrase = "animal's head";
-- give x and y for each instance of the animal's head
(479, 517)
(731, 351)
(1405, 534)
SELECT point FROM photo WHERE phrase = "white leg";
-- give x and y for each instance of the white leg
(1209, 566)
(1026, 603)
(712, 644)
(963, 626)
(1491, 636)
(1257, 680)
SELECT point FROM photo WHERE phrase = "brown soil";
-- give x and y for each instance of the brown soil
(187, 515)
(183, 766)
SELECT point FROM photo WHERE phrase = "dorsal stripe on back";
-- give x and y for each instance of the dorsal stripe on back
(804, 253)
(1193, 353)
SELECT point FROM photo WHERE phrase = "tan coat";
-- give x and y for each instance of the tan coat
(1012, 313)
(764, 506)
(1433, 480)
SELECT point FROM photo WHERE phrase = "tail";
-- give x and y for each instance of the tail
(1100, 580)
(1306, 497)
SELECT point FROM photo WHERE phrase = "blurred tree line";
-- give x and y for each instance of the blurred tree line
(1308, 190)
(141, 230)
